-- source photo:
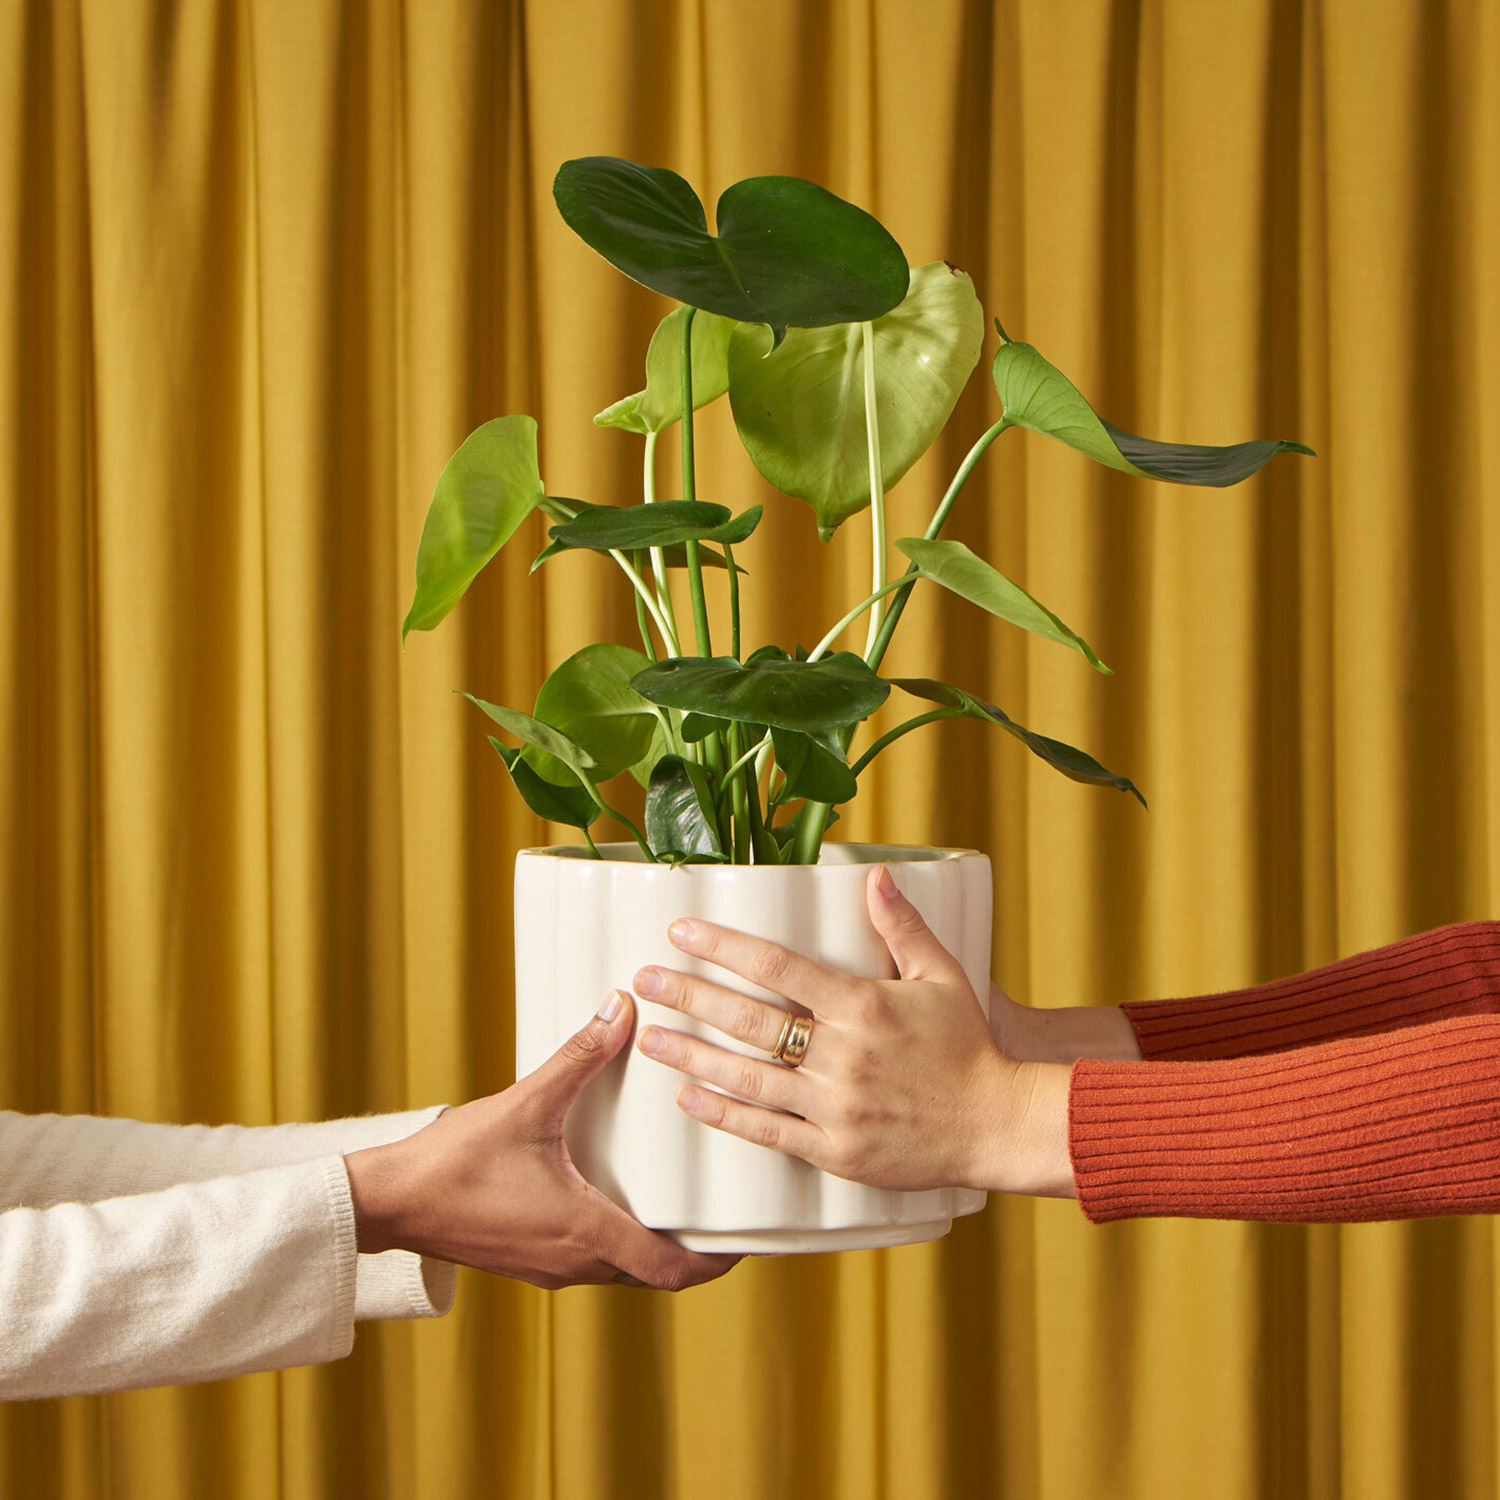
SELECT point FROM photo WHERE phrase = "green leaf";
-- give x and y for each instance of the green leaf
(1076, 764)
(483, 494)
(665, 523)
(558, 804)
(696, 727)
(589, 698)
(809, 696)
(815, 768)
(541, 736)
(955, 567)
(800, 411)
(1038, 396)
(680, 823)
(660, 404)
(787, 253)
(672, 557)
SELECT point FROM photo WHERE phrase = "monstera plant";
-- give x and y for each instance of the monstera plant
(842, 364)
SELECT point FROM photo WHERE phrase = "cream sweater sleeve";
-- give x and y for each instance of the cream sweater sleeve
(50, 1159)
(200, 1281)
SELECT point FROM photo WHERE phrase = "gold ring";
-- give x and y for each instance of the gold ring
(791, 1046)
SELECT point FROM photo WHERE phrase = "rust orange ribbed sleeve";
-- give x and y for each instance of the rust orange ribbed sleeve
(1369, 1089)
(1451, 971)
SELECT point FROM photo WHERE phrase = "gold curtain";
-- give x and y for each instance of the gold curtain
(263, 265)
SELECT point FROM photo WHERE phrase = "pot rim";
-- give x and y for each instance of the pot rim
(846, 855)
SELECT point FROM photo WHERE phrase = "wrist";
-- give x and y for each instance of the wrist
(1025, 1146)
(375, 1192)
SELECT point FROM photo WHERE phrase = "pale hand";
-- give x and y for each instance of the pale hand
(490, 1184)
(902, 1085)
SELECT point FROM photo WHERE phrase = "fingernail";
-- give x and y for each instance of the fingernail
(885, 884)
(648, 983)
(651, 1041)
(611, 1007)
(682, 932)
(691, 1100)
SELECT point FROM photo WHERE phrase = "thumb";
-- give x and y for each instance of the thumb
(917, 952)
(584, 1056)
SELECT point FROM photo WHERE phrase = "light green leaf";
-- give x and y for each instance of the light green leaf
(955, 567)
(589, 698)
(800, 411)
(1038, 396)
(660, 404)
(484, 493)
(1075, 764)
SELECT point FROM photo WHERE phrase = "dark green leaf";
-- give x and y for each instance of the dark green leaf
(1076, 764)
(660, 404)
(955, 567)
(696, 727)
(483, 494)
(558, 804)
(665, 523)
(1038, 396)
(800, 411)
(814, 768)
(810, 696)
(589, 698)
(680, 822)
(672, 557)
(787, 252)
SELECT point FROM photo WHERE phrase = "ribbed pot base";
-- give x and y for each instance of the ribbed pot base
(810, 1242)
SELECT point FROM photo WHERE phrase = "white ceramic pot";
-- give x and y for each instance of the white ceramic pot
(583, 928)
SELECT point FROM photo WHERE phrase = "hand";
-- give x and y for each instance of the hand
(902, 1085)
(490, 1184)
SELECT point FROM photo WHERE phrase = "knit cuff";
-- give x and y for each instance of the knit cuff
(1451, 971)
(1405, 1125)
(345, 1258)
(402, 1284)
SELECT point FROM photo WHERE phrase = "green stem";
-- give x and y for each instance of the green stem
(815, 818)
(896, 583)
(658, 558)
(737, 800)
(635, 832)
(588, 838)
(749, 755)
(892, 735)
(642, 623)
(734, 602)
(690, 489)
(877, 487)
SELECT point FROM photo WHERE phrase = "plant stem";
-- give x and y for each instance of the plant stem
(815, 817)
(817, 651)
(734, 602)
(658, 558)
(690, 489)
(750, 754)
(588, 838)
(635, 832)
(892, 735)
(876, 654)
(877, 486)
(641, 621)
(737, 802)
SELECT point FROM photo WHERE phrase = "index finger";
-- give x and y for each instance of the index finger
(822, 990)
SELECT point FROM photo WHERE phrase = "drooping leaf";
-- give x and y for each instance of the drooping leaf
(558, 804)
(815, 766)
(589, 698)
(489, 486)
(680, 822)
(539, 736)
(800, 411)
(665, 523)
(660, 404)
(787, 253)
(1073, 763)
(1038, 396)
(807, 696)
(954, 566)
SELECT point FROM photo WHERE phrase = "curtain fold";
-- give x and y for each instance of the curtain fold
(264, 264)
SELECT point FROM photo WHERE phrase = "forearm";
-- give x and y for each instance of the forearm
(1439, 975)
(1391, 1126)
